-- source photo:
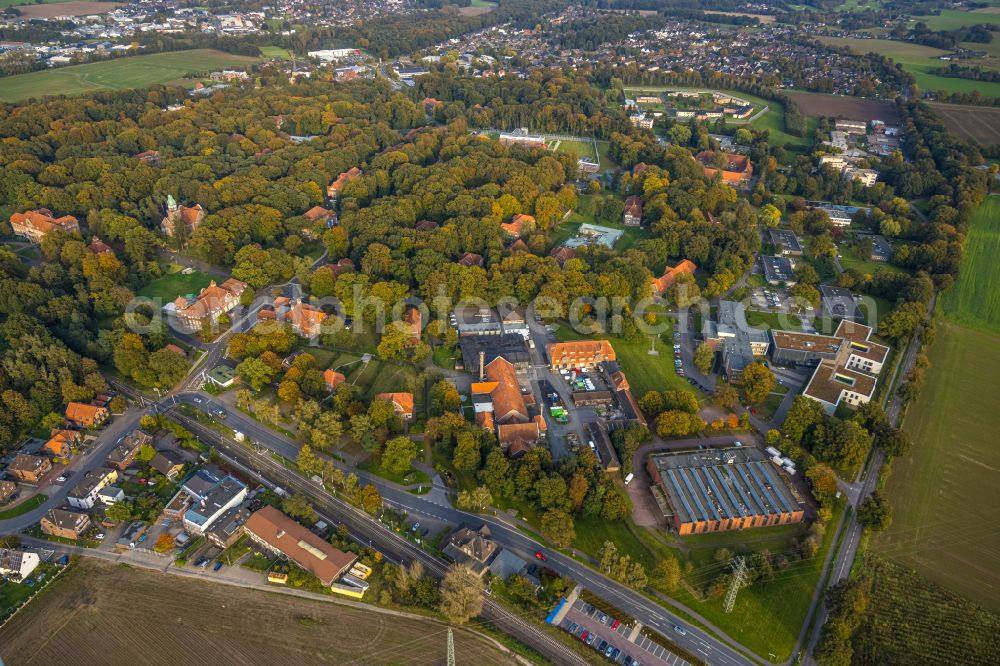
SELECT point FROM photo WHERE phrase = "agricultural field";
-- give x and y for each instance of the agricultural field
(975, 299)
(952, 19)
(919, 60)
(172, 285)
(979, 124)
(818, 105)
(71, 8)
(85, 616)
(951, 470)
(118, 74)
(477, 8)
(16, 3)
(953, 467)
(910, 620)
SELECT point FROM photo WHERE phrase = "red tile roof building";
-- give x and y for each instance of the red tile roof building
(83, 415)
(190, 217)
(632, 216)
(280, 534)
(470, 259)
(213, 301)
(402, 403)
(516, 226)
(34, 224)
(579, 354)
(736, 171)
(334, 189)
(670, 275)
(499, 403)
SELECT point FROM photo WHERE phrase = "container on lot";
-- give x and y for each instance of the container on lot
(776, 460)
(787, 461)
(790, 471)
(771, 451)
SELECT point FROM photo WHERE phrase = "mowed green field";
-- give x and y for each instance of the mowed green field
(919, 60)
(952, 19)
(14, 3)
(130, 72)
(975, 300)
(944, 492)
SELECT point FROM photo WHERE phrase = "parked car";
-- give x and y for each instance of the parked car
(584, 636)
(602, 645)
(218, 565)
(616, 623)
(591, 639)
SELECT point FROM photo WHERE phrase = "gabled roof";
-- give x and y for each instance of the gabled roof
(470, 259)
(665, 281)
(333, 378)
(508, 403)
(79, 411)
(317, 213)
(403, 402)
(306, 549)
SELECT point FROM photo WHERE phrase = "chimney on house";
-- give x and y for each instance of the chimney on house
(482, 364)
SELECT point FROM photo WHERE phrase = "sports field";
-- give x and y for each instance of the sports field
(944, 493)
(979, 124)
(103, 613)
(130, 72)
(975, 300)
(581, 148)
(919, 60)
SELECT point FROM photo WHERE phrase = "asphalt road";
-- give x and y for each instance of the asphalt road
(648, 612)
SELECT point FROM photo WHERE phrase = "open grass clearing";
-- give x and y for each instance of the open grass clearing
(952, 19)
(172, 285)
(118, 74)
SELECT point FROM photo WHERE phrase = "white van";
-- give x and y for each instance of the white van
(629, 477)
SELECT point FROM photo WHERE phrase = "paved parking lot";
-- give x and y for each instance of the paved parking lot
(607, 635)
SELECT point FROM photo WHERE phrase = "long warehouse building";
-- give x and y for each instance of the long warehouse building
(722, 489)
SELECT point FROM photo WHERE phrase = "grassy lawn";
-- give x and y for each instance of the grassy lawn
(275, 52)
(445, 358)
(23, 507)
(850, 258)
(405, 479)
(14, 3)
(975, 300)
(584, 213)
(771, 403)
(172, 285)
(581, 148)
(118, 74)
(644, 372)
(919, 60)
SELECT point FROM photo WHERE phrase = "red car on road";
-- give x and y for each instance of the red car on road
(584, 635)
(540, 555)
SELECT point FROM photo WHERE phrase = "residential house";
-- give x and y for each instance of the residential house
(402, 403)
(342, 266)
(61, 442)
(228, 528)
(199, 484)
(211, 303)
(150, 157)
(279, 534)
(65, 524)
(306, 320)
(413, 321)
(34, 224)
(470, 259)
(632, 216)
(83, 415)
(519, 224)
(661, 284)
(84, 494)
(29, 468)
(579, 354)
(320, 214)
(562, 254)
(17, 565)
(176, 215)
(97, 246)
(333, 379)
(109, 495)
(167, 463)
(473, 548)
(426, 225)
(736, 170)
(334, 189)
(204, 511)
